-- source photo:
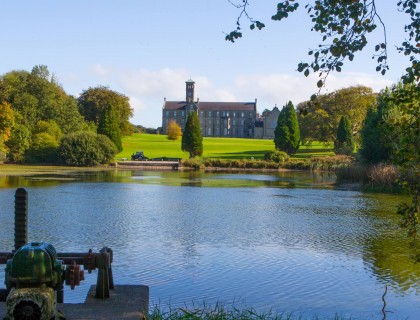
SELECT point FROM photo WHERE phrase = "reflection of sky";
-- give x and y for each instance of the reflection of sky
(298, 250)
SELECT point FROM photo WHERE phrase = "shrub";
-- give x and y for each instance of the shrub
(195, 164)
(174, 130)
(276, 156)
(86, 149)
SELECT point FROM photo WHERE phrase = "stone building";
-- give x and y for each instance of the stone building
(265, 126)
(217, 119)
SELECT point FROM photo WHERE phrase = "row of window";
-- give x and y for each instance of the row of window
(233, 114)
(210, 122)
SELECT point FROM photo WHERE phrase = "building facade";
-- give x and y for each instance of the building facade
(265, 126)
(217, 119)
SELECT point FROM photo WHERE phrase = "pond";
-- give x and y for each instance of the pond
(289, 242)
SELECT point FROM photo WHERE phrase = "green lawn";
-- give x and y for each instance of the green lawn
(155, 146)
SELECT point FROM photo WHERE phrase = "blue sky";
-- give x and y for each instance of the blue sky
(148, 49)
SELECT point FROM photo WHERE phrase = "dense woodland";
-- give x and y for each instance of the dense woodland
(41, 123)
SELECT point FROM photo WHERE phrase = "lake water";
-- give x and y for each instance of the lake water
(282, 241)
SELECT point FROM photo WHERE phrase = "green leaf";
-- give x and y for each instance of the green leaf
(320, 83)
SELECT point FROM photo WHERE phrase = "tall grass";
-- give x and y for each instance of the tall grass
(221, 312)
(381, 177)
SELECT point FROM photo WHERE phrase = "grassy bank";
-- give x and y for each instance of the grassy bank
(220, 312)
(156, 146)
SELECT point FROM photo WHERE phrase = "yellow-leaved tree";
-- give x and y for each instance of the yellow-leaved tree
(174, 130)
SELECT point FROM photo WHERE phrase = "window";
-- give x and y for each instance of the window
(209, 113)
(201, 113)
(167, 113)
(242, 114)
(217, 114)
(234, 114)
(174, 113)
(182, 113)
(227, 114)
(209, 131)
(242, 122)
(234, 122)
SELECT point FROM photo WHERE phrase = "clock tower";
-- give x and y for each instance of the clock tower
(189, 91)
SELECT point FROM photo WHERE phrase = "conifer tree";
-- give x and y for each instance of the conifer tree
(192, 140)
(287, 132)
(344, 143)
(108, 126)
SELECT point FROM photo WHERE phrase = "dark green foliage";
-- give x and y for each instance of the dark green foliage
(344, 143)
(192, 140)
(108, 126)
(86, 148)
(276, 156)
(287, 133)
(93, 101)
(374, 147)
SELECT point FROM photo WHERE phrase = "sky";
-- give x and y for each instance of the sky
(147, 49)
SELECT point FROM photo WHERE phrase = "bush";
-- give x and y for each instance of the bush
(276, 156)
(195, 164)
(174, 130)
(86, 149)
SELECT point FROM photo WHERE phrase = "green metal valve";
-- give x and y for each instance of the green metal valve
(35, 264)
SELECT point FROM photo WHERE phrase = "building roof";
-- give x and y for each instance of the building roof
(222, 106)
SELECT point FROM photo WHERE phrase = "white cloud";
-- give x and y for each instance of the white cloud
(100, 70)
(147, 88)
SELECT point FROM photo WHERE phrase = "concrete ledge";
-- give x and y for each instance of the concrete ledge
(126, 302)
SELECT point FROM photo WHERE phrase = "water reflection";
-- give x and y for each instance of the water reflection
(230, 237)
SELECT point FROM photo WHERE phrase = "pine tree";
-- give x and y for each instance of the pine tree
(192, 140)
(287, 133)
(374, 148)
(108, 126)
(344, 143)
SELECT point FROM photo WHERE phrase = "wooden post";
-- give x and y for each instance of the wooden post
(21, 218)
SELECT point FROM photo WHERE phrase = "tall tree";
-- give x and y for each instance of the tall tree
(344, 143)
(7, 121)
(35, 97)
(192, 140)
(94, 100)
(287, 133)
(108, 126)
(375, 147)
(319, 120)
(344, 26)
(402, 123)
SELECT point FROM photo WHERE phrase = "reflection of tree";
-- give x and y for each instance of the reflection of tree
(387, 254)
(392, 263)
